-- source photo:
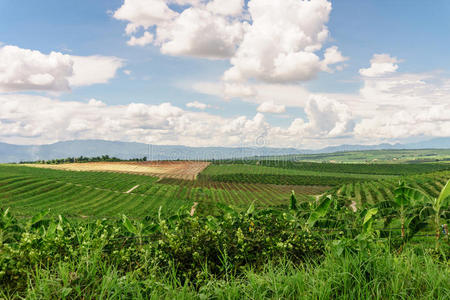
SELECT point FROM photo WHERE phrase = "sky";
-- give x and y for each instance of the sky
(291, 73)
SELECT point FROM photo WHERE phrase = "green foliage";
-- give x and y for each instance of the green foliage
(320, 211)
(293, 202)
(343, 168)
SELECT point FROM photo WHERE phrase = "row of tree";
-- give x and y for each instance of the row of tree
(82, 159)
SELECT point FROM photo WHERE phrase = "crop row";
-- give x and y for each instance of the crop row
(97, 194)
(349, 168)
(371, 192)
(280, 179)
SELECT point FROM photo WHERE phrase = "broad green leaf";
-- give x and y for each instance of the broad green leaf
(445, 193)
(39, 217)
(293, 203)
(320, 211)
(426, 212)
(250, 209)
(368, 220)
(370, 213)
(405, 195)
(227, 209)
(152, 228)
(51, 229)
(128, 225)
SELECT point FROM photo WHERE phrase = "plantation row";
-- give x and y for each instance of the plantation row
(372, 192)
(45, 257)
(348, 168)
(280, 179)
(100, 194)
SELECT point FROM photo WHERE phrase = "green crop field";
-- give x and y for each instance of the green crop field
(80, 234)
(100, 194)
(372, 192)
(372, 156)
(78, 194)
(309, 173)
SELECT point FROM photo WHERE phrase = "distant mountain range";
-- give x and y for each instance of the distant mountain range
(127, 150)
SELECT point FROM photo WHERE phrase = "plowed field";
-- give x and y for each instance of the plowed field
(187, 170)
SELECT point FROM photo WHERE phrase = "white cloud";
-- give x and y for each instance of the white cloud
(380, 64)
(23, 69)
(285, 94)
(31, 70)
(209, 31)
(144, 13)
(95, 102)
(272, 41)
(27, 119)
(388, 108)
(431, 121)
(127, 72)
(145, 39)
(226, 8)
(198, 105)
(96, 69)
(200, 33)
(327, 118)
(271, 107)
(281, 42)
(333, 56)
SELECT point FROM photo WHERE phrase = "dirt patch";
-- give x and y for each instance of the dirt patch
(187, 170)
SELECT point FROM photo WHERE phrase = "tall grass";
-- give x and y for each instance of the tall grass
(382, 275)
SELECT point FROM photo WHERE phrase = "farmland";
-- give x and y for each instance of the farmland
(187, 170)
(97, 194)
(227, 226)
(372, 156)
(91, 190)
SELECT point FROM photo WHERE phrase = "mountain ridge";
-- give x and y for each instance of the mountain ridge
(128, 150)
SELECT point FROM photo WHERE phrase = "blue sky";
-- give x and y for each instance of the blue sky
(412, 35)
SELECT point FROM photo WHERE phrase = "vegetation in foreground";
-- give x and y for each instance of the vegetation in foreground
(308, 250)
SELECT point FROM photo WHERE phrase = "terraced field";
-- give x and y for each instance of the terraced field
(370, 192)
(187, 170)
(100, 194)
(282, 175)
(81, 194)
(310, 173)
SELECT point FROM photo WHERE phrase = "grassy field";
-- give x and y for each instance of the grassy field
(89, 234)
(372, 192)
(373, 156)
(83, 194)
(309, 173)
(101, 194)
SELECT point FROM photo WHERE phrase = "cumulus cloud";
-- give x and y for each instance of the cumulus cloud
(23, 69)
(431, 121)
(273, 41)
(144, 13)
(31, 70)
(271, 107)
(281, 43)
(31, 119)
(292, 95)
(88, 70)
(327, 118)
(389, 107)
(199, 32)
(144, 40)
(380, 64)
(332, 56)
(198, 105)
(27, 119)
(226, 8)
(208, 30)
